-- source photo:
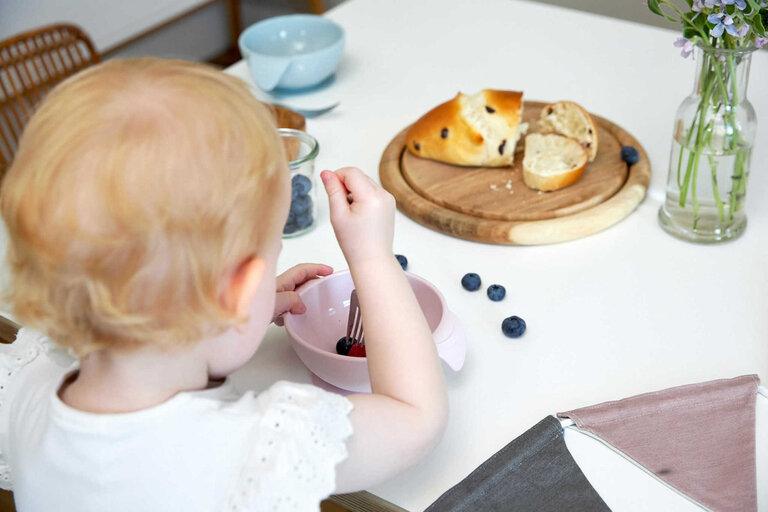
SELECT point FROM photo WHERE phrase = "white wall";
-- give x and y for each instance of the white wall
(205, 34)
(111, 22)
(632, 10)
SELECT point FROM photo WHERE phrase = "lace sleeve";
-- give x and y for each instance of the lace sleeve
(29, 345)
(292, 450)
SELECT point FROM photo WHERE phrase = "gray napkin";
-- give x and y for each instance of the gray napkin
(535, 472)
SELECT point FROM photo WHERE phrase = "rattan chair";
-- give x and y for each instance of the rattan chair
(31, 64)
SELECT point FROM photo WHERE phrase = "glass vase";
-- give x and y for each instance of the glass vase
(714, 132)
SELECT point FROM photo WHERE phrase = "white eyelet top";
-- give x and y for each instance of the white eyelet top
(212, 450)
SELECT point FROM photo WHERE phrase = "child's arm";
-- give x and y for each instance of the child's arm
(405, 415)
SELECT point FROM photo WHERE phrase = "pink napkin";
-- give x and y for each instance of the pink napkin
(698, 438)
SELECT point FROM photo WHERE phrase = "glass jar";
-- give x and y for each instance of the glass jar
(301, 149)
(712, 140)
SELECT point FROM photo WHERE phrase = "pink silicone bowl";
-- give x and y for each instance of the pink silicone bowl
(314, 334)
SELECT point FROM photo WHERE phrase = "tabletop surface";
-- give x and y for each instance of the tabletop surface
(621, 312)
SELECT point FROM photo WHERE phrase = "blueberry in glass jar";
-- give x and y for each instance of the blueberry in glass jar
(304, 220)
(301, 205)
(300, 185)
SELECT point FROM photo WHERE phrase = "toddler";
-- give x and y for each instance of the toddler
(144, 211)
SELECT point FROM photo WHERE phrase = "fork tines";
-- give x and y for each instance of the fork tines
(355, 320)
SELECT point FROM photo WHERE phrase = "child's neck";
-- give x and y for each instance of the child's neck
(118, 382)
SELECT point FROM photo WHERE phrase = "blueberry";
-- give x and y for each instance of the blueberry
(343, 345)
(304, 220)
(513, 327)
(496, 292)
(301, 204)
(630, 155)
(402, 260)
(471, 282)
(300, 185)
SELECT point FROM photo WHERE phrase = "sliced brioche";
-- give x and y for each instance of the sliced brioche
(475, 130)
(569, 119)
(552, 161)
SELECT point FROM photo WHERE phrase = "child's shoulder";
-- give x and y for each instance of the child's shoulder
(29, 367)
(29, 362)
(290, 439)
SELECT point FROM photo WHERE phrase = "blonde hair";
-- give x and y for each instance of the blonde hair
(137, 185)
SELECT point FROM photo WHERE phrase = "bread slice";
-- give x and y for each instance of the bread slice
(569, 119)
(552, 161)
(481, 129)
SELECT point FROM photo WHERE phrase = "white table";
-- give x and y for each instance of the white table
(619, 313)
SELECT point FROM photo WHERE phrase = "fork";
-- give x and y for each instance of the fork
(355, 320)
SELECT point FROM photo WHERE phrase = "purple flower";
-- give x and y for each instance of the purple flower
(761, 41)
(722, 22)
(698, 5)
(741, 4)
(685, 44)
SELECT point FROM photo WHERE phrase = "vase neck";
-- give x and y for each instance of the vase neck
(722, 74)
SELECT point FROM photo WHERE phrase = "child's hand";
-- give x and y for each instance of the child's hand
(362, 214)
(287, 299)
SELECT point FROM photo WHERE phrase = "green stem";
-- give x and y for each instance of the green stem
(694, 153)
(694, 198)
(739, 184)
(685, 20)
(715, 189)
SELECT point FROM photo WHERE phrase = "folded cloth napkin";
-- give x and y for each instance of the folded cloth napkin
(535, 472)
(699, 438)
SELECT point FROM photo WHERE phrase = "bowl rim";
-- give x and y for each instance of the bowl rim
(288, 318)
(314, 18)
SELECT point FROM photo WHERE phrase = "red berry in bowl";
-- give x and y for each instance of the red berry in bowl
(357, 350)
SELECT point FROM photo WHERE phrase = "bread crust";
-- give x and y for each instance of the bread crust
(508, 104)
(446, 135)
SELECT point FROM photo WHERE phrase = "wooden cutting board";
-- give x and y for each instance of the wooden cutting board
(493, 205)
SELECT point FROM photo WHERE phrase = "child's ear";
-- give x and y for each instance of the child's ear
(243, 285)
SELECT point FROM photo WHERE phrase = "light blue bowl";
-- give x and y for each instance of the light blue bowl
(291, 52)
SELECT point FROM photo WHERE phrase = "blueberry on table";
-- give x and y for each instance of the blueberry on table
(300, 185)
(513, 327)
(471, 282)
(630, 155)
(402, 260)
(496, 292)
(343, 345)
(301, 204)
